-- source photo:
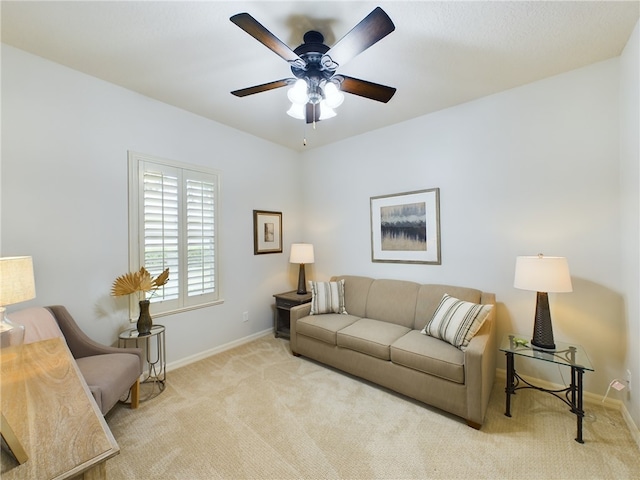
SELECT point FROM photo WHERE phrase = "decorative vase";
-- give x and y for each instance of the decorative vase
(144, 320)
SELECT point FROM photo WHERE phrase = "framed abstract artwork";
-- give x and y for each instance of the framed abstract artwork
(267, 232)
(405, 227)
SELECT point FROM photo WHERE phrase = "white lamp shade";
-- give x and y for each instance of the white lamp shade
(542, 274)
(298, 93)
(297, 111)
(301, 253)
(333, 96)
(326, 112)
(16, 280)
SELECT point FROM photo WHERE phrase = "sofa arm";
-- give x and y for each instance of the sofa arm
(296, 313)
(480, 366)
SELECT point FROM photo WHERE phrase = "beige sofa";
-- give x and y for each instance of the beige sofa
(380, 340)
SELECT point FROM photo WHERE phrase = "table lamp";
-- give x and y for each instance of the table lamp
(16, 285)
(542, 275)
(301, 253)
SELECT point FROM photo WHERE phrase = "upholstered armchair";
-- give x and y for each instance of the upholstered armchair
(109, 371)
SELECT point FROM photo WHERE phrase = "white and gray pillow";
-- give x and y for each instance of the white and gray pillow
(456, 321)
(327, 297)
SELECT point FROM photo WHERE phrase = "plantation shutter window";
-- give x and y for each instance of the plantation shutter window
(173, 224)
(161, 228)
(200, 237)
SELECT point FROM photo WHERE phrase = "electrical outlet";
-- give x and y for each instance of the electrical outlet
(617, 385)
(629, 379)
(245, 316)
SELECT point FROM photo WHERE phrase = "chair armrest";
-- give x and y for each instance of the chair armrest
(296, 313)
(79, 343)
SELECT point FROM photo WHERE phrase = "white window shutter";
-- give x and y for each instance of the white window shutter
(201, 257)
(173, 224)
(161, 228)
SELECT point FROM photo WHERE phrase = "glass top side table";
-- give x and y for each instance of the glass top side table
(566, 354)
(156, 374)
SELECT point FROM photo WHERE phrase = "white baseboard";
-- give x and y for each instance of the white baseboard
(635, 432)
(591, 398)
(207, 353)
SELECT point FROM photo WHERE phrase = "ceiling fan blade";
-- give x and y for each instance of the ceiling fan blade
(250, 25)
(370, 30)
(262, 88)
(371, 90)
(312, 112)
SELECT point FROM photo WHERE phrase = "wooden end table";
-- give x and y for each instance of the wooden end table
(282, 317)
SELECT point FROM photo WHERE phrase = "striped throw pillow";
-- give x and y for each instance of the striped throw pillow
(456, 321)
(327, 297)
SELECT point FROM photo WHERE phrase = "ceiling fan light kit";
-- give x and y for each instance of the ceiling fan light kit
(298, 93)
(333, 96)
(316, 89)
(302, 94)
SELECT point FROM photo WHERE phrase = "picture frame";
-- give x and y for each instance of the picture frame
(405, 227)
(267, 232)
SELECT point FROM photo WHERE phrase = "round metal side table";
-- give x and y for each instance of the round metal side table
(153, 346)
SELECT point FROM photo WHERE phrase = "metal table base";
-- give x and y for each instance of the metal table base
(153, 381)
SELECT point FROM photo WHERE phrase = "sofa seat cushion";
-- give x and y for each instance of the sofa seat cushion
(123, 368)
(429, 355)
(371, 337)
(324, 327)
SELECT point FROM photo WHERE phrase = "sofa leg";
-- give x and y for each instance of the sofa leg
(135, 394)
(474, 425)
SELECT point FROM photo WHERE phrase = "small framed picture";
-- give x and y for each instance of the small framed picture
(405, 227)
(267, 232)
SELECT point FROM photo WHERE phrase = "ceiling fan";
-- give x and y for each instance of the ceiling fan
(316, 86)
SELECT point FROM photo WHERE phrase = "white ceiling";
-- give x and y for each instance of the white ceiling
(190, 55)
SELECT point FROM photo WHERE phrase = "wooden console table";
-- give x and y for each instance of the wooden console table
(49, 407)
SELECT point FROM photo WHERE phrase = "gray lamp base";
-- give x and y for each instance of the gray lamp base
(542, 328)
(302, 284)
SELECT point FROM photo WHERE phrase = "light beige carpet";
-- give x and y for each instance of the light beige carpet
(257, 412)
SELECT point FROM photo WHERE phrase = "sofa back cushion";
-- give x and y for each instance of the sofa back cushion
(393, 301)
(356, 291)
(398, 301)
(429, 297)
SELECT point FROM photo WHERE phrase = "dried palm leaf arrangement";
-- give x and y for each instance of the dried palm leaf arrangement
(139, 282)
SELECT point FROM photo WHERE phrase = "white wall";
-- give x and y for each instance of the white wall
(64, 199)
(630, 208)
(533, 169)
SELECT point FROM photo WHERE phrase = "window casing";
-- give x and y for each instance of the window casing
(173, 216)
